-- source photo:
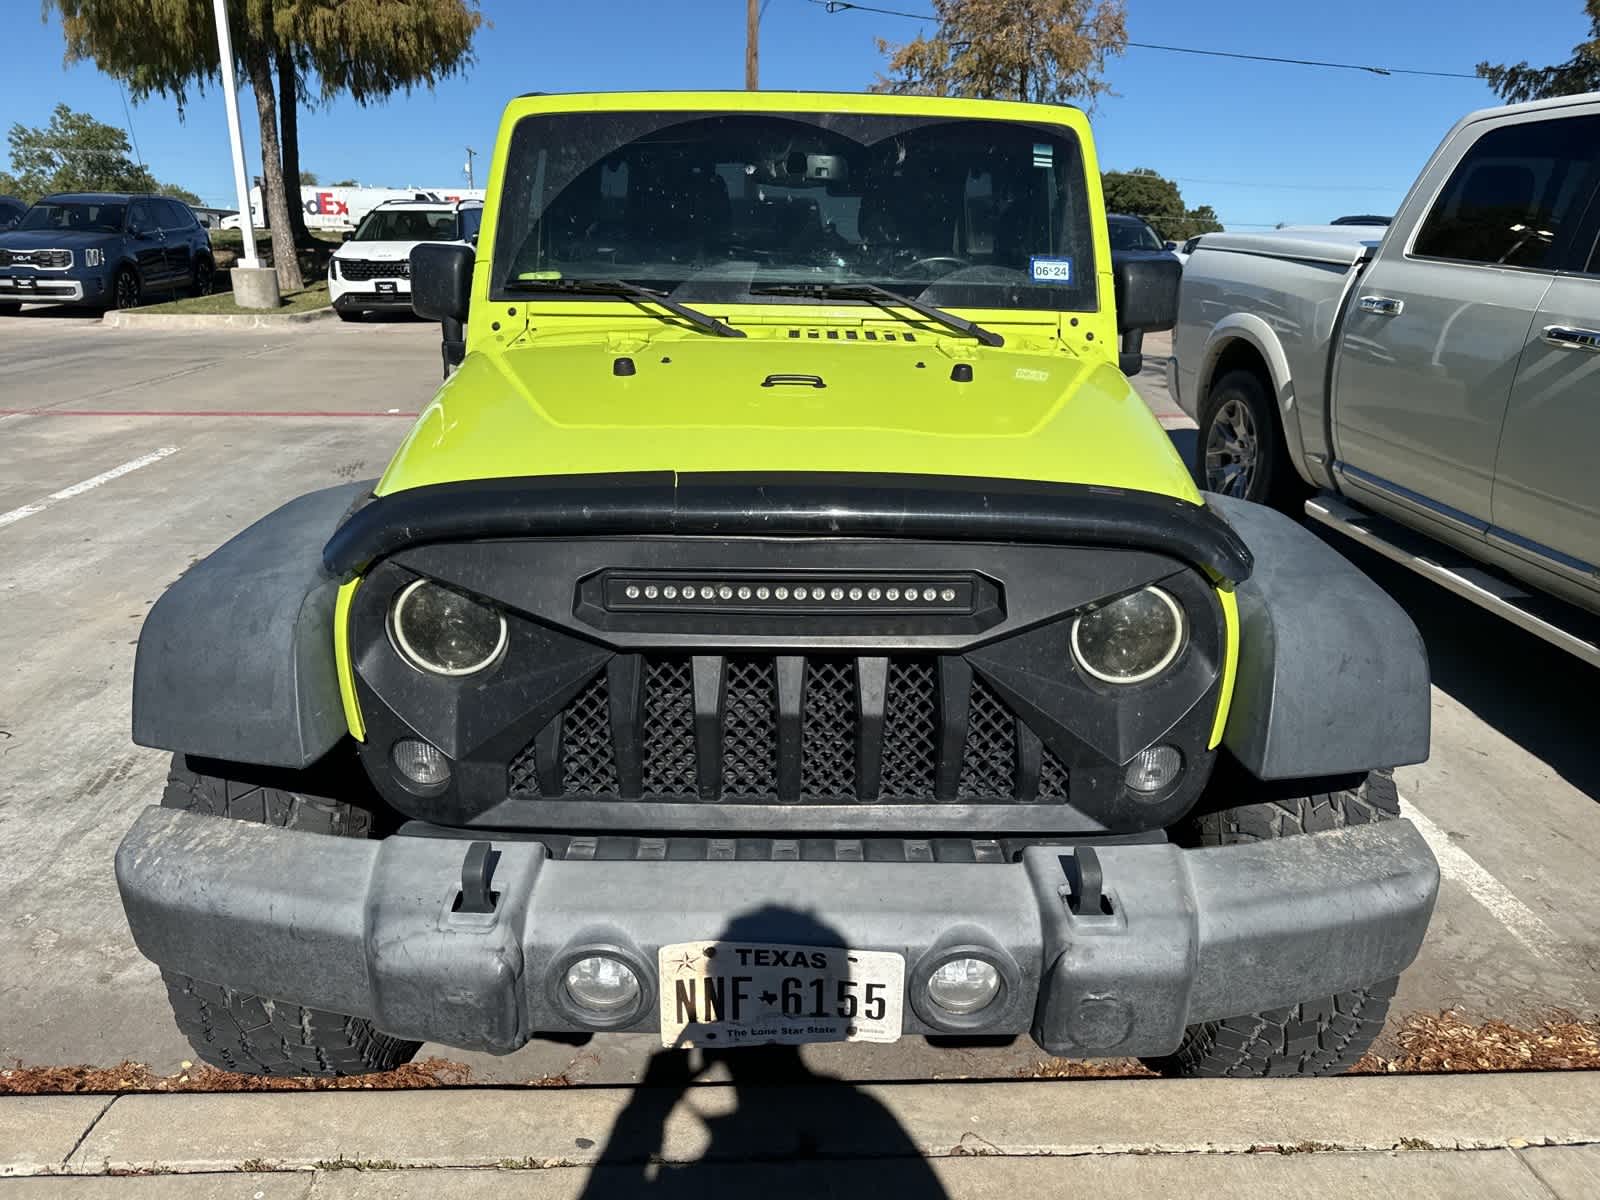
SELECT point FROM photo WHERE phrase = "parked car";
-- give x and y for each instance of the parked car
(104, 250)
(1457, 434)
(371, 271)
(11, 210)
(750, 644)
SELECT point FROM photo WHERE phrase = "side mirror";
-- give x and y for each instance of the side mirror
(347, 235)
(1169, 245)
(441, 290)
(1147, 300)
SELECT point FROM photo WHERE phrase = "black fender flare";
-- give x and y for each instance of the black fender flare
(236, 661)
(1333, 675)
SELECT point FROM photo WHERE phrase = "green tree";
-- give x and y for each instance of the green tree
(288, 50)
(309, 179)
(1516, 82)
(1142, 192)
(1045, 51)
(76, 153)
(344, 183)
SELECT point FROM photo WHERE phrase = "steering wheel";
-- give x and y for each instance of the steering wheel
(949, 261)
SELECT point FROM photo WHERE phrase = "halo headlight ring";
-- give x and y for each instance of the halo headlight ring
(1146, 672)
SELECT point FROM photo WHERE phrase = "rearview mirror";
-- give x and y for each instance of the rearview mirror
(441, 290)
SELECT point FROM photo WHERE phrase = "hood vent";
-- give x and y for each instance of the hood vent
(852, 335)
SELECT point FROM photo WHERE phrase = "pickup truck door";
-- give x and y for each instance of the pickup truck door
(1436, 327)
(1546, 484)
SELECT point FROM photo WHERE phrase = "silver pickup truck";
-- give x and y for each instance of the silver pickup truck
(1432, 389)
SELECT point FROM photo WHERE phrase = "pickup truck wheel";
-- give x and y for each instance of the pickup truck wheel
(250, 1034)
(1315, 1037)
(1241, 444)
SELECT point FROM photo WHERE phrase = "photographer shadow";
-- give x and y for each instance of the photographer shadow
(790, 1131)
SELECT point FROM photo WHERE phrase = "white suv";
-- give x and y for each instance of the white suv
(372, 270)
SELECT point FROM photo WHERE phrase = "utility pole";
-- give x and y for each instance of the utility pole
(752, 45)
(471, 154)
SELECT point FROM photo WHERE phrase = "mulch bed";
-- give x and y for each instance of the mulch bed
(1426, 1043)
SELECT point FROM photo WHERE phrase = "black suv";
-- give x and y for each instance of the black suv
(106, 250)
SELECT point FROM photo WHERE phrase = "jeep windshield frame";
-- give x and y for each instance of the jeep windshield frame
(717, 205)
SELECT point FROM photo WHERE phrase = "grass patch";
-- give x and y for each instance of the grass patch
(221, 303)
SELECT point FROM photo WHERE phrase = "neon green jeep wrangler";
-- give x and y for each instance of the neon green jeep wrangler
(785, 624)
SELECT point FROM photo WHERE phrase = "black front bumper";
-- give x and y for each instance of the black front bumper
(373, 302)
(371, 928)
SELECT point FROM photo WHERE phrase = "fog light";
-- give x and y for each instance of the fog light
(602, 986)
(420, 763)
(964, 985)
(1153, 770)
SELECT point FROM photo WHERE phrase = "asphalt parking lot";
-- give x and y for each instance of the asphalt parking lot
(126, 455)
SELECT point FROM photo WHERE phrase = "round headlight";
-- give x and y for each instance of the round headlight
(441, 631)
(1131, 639)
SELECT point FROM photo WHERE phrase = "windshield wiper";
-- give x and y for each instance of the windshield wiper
(632, 291)
(884, 298)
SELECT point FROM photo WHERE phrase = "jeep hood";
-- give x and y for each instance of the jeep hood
(773, 402)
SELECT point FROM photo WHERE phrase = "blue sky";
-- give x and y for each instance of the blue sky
(1260, 142)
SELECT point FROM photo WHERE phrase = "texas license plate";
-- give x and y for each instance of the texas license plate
(386, 288)
(756, 993)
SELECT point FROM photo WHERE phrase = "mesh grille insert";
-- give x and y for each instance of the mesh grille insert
(669, 758)
(828, 731)
(750, 731)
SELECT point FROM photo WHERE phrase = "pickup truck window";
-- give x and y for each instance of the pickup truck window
(711, 205)
(1508, 199)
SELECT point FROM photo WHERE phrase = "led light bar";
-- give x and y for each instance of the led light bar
(714, 591)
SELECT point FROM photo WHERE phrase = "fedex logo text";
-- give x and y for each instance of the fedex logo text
(323, 204)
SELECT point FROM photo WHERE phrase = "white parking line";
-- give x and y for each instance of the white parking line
(88, 485)
(1455, 863)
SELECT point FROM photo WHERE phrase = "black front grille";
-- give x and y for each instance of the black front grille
(358, 270)
(47, 259)
(845, 722)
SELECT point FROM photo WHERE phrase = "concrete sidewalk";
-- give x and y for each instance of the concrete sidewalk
(1521, 1135)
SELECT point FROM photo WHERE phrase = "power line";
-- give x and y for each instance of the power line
(128, 116)
(838, 6)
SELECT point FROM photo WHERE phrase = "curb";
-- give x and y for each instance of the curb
(608, 1127)
(138, 320)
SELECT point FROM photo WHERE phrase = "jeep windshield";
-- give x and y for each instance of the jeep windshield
(729, 206)
(75, 216)
(407, 225)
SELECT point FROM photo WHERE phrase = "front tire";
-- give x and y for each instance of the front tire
(1241, 445)
(205, 274)
(1323, 1036)
(251, 1034)
(127, 289)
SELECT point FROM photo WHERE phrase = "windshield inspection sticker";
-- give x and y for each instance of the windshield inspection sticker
(1050, 270)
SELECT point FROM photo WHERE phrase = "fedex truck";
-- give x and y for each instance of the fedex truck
(343, 207)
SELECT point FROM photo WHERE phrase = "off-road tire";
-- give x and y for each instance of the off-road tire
(1315, 1037)
(1273, 480)
(238, 1031)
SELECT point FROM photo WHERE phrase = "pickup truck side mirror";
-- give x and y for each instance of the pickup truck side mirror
(441, 290)
(1147, 300)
